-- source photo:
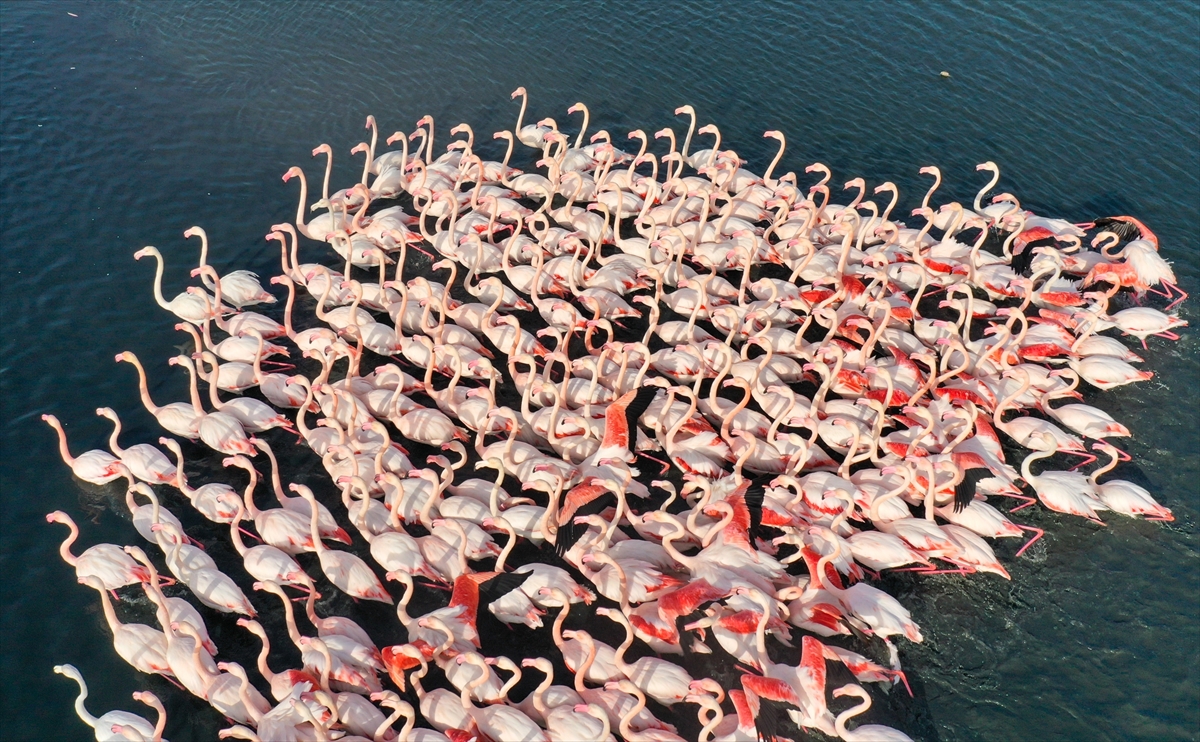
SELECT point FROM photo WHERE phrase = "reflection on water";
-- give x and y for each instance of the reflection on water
(129, 123)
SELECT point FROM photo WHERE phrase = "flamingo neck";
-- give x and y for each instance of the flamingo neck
(840, 722)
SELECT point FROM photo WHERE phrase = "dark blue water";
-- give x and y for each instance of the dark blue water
(131, 122)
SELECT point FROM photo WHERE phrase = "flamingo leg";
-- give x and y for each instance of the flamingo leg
(1087, 458)
(665, 466)
(280, 364)
(423, 251)
(1144, 346)
(904, 679)
(1037, 534)
(1031, 501)
(874, 575)
(936, 571)
(172, 681)
(1121, 455)
(1173, 288)
(1168, 335)
(116, 598)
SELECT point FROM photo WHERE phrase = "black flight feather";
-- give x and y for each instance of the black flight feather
(964, 491)
(754, 497)
(1021, 260)
(634, 410)
(502, 584)
(1123, 229)
(570, 532)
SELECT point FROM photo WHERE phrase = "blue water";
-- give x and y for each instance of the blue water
(129, 123)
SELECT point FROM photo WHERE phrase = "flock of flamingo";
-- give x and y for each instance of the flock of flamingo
(745, 402)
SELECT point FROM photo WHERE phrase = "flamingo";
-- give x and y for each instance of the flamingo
(95, 466)
(187, 306)
(103, 725)
(144, 461)
(104, 562)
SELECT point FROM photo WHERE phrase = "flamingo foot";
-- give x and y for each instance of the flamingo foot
(1161, 518)
(165, 581)
(1037, 534)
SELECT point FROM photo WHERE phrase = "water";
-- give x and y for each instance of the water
(131, 122)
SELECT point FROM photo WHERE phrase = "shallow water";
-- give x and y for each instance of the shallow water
(131, 122)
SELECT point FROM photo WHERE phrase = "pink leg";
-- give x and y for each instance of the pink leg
(279, 364)
(1168, 335)
(1037, 533)
(116, 598)
(1172, 287)
(665, 466)
(171, 680)
(1087, 458)
(1144, 346)
(1121, 455)
(936, 571)
(194, 542)
(1162, 518)
(874, 575)
(904, 679)
(423, 251)
(1031, 501)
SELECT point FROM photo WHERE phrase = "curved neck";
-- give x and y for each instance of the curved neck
(158, 277)
(840, 722)
(79, 707)
(1112, 463)
(1026, 472)
(990, 185)
(625, 728)
(62, 442)
(301, 227)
